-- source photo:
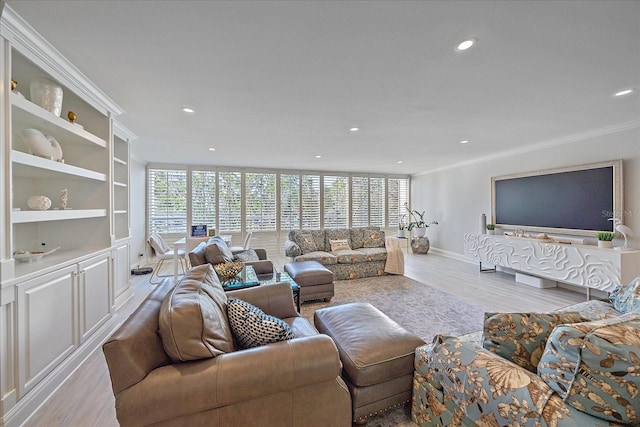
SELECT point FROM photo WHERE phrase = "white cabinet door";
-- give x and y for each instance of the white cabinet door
(94, 297)
(47, 324)
(121, 275)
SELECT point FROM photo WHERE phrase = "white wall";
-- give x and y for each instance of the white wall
(455, 197)
(138, 209)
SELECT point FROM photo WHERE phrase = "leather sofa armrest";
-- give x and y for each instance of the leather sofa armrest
(291, 249)
(264, 266)
(188, 388)
(276, 300)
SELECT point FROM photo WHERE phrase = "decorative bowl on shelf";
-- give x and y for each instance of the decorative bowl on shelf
(39, 203)
(47, 94)
(228, 270)
(28, 256)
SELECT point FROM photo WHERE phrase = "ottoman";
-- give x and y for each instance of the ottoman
(314, 279)
(377, 356)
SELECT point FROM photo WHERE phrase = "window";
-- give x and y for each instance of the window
(260, 201)
(203, 198)
(311, 202)
(167, 201)
(398, 197)
(336, 201)
(377, 202)
(289, 202)
(230, 202)
(359, 201)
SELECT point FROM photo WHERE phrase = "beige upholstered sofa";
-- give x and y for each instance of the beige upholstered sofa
(288, 383)
(364, 254)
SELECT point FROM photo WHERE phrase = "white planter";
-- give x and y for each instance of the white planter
(491, 232)
(605, 244)
(420, 231)
(401, 234)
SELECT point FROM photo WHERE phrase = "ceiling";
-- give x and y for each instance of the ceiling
(275, 84)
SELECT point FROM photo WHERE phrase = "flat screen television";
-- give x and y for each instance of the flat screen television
(573, 200)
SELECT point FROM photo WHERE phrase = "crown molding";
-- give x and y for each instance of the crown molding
(123, 132)
(620, 127)
(36, 48)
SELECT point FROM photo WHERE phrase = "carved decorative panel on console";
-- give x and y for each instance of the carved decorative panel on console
(580, 265)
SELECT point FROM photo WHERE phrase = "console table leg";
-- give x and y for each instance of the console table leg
(487, 270)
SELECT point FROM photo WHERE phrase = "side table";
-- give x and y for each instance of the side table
(420, 245)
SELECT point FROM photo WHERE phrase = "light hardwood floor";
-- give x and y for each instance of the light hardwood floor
(85, 399)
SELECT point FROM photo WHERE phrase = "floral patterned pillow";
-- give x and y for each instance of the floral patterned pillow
(595, 367)
(626, 298)
(521, 337)
(306, 242)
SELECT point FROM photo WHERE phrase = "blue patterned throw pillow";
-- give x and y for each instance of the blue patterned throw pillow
(595, 367)
(521, 337)
(626, 298)
(251, 327)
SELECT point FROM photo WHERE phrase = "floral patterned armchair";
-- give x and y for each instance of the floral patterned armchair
(578, 367)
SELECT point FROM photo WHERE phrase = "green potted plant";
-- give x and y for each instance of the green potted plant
(491, 228)
(605, 239)
(418, 222)
(402, 226)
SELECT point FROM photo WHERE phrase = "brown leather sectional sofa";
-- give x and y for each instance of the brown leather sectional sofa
(290, 383)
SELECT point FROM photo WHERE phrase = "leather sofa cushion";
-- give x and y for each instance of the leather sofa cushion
(196, 256)
(309, 273)
(593, 366)
(217, 251)
(193, 319)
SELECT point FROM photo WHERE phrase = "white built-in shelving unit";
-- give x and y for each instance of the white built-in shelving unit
(55, 310)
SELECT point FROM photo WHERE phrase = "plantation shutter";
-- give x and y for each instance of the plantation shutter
(203, 198)
(398, 198)
(359, 201)
(167, 201)
(311, 202)
(377, 202)
(260, 201)
(230, 202)
(289, 202)
(336, 201)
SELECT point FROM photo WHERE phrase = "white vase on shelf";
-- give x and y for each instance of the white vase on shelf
(47, 94)
(41, 145)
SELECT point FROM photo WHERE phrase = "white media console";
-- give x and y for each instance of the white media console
(580, 265)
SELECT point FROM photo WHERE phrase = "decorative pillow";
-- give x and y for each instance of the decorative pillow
(196, 256)
(306, 242)
(626, 298)
(193, 321)
(248, 255)
(521, 337)
(217, 251)
(340, 245)
(158, 244)
(357, 237)
(251, 327)
(336, 234)
(594, 367)
(373, 238)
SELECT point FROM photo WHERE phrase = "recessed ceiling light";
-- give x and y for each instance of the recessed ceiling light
(464, 141)
(188, 110)
(212, 149)
(624, 92)
(399, 162)
(318, 156)
(466, 45)
(354, 129)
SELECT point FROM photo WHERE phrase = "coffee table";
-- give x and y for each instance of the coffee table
(248, 278)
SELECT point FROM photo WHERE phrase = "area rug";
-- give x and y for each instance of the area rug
(417, 307)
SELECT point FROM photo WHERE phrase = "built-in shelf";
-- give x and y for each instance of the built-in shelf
(30, 166)
(26, 115)
(21, 217)
(120, 161)
(120, 212)
(120, 184)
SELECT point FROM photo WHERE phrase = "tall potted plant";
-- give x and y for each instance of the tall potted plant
(418, 223)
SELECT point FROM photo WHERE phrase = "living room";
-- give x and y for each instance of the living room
(537, 92)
